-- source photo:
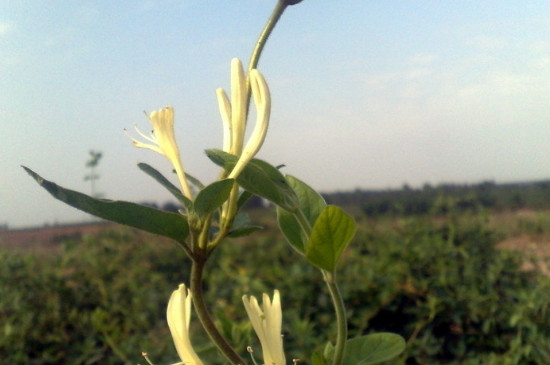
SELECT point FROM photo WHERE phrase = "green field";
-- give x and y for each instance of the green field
(448, 283)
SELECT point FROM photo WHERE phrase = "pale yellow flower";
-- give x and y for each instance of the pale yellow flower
(262, 100)
(163, 141)
(178, 315)
(267, 322)
(234, 114)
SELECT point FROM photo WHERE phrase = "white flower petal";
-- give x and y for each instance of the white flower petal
(225, 111)
(163, 141)
(239, 98)
(262, 100)
(267, 323)
(178, 316)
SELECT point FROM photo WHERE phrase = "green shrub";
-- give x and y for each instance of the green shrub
(452, 295)
(444, 287)
(101, 301)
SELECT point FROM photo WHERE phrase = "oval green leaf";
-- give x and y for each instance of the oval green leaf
(373, 348)
(212, 197)
(310, 203)
(331, 233)
(292, 230)
(259, 178)
(242, 227)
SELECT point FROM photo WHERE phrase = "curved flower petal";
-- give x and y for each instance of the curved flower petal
(239, 98)
(178, 315)
(234, 113)
(267, 322)
(225, 111)
(262, 100)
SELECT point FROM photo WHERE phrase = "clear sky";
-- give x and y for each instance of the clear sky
(365, 94)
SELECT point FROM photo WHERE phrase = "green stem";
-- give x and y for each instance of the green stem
(335, 295)
(341, 320)
(231, 209)
(266, 32)
(204, 235)
(199, 261)
(197, 268)
(117, 351)
(260, 43)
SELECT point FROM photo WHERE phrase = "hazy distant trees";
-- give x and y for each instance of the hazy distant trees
(444, 198)
(434, 200)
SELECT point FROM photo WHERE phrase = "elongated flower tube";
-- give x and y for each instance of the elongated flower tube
(234, 112)
(178, 315)
(262, 101)
(234, 115)
(163, 141)
(267, 322)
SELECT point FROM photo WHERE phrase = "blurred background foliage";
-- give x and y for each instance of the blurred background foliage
(438, 277)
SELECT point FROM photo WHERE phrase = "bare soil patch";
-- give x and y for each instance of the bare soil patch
(536, 249)
(49, 237)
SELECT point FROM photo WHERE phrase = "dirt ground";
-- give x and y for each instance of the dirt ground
(537, 250)
(49, 237)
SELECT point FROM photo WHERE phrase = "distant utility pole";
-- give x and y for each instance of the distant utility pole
(91, 164)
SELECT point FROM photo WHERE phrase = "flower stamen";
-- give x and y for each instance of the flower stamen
(163, 141)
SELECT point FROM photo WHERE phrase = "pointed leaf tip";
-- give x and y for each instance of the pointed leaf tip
(152, 220)
(175, 191)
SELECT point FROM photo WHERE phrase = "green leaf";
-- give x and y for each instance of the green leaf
(212, 197)
(260, 178)
(243, 198)
(193, 180)
(318, 359)
(311, 204)
(244, 231)
(328, 351)
(373, 348)
(222, 159)
(331, 233)
(152, 220)
(263, 179)
(242, 227)
(155, 174)
(292, 230)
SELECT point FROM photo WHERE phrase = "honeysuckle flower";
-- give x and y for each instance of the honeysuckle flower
(163, 141)
(262, 100)
(234, 114)
(178, 315)
(267, 321)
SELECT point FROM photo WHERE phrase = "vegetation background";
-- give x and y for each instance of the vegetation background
(438, 265)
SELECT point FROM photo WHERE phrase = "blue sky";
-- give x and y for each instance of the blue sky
(365, 94)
